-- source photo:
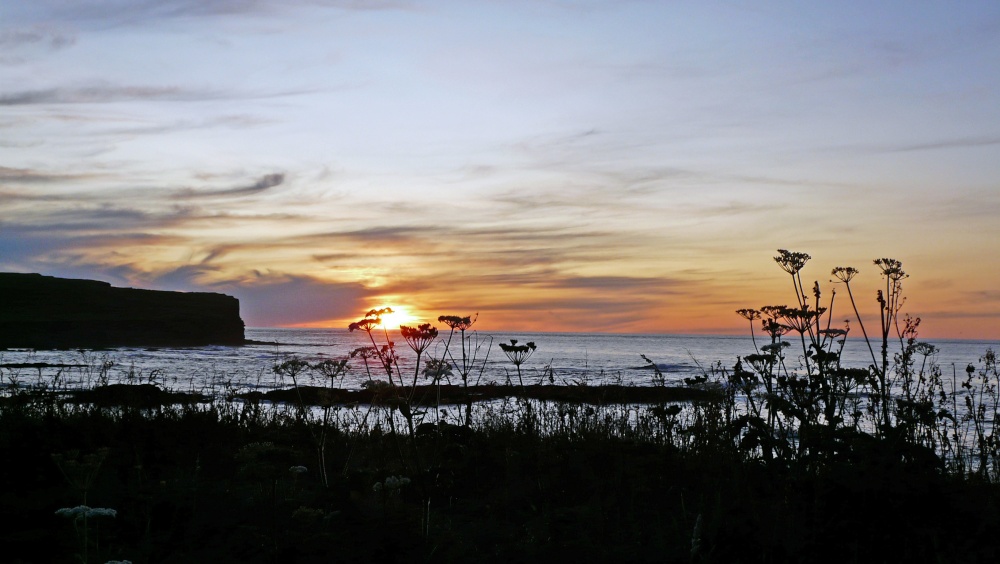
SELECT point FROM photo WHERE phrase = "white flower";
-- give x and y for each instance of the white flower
(84, 511)
(298, 469)
(72, 511)
(396, 482)
(392, 484)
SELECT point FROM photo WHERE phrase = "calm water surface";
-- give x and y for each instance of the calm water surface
(569, 358)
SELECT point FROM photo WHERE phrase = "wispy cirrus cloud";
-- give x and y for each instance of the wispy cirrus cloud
(35, 35)
(102, 94)
(20, 45)
(49, 247)
(262, 184)
(9, 175)
(105, 93)
(90, 188)
(103, 13)
(236, 121)
(959, 143)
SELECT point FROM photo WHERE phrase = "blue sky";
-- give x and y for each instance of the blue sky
(618, 165)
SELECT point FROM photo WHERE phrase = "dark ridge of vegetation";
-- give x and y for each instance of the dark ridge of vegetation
(150, 395)
(133, 395)
(525, 482)
(454, 394)
(40, 365)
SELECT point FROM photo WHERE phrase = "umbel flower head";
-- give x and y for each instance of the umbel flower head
(774, 311)
(385, 353)
(771, 324)
(371, 320)
(420, 337)
(392, 484)
(331, 368)
(774, 328)
(518, 353)
(802, 319)
(891, 268)
(437, 369)
(845, 273)
(364, 353)
(791, 262)
(456, 322)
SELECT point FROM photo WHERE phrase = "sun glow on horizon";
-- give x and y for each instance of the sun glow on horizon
(390, 321)
(400, 316)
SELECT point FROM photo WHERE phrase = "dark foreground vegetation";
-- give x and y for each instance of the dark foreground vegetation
(778, 458)
(526, 481)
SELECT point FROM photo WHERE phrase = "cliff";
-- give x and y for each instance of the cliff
(44, 312)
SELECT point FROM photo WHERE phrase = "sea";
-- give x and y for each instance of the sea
(558, 359)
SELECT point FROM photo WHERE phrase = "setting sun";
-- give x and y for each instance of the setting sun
(399, 316)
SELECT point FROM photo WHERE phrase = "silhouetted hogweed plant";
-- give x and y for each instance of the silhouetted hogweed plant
(518, 354)
(471, 345)
(418, 338)
(331, 370)
(812, 406)
(81, 472)
(386, 353)
(84, 518)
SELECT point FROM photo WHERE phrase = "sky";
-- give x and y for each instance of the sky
(552, 165)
